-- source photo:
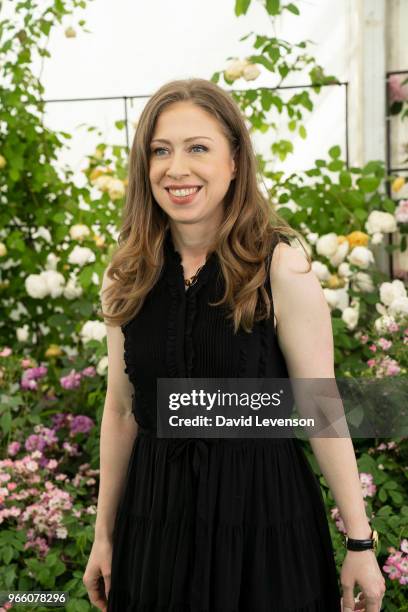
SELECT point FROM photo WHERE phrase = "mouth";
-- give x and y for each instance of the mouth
(185, 196)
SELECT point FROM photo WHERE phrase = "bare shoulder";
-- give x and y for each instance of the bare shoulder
(287, 260)
(294, 284)
(302, 313)
(119, 389)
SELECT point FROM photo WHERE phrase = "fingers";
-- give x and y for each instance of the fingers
(96, 592)
(348, 598)
(107, 580)
(371, 603)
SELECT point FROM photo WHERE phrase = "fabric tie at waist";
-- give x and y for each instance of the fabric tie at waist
(204, 524)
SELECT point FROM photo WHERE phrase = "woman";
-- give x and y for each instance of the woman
(240, 525)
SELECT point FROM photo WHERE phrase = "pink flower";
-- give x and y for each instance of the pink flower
(372, 348)
(81, 424)
(6, 352)
(401, 212)
(404, 545)
(397, 90)
(393, 369)
(71, 381)
(367, 484)
(89, 371)
(384, 344)
(371, 363)
(335, 514)
(393, 327)
(28, 385)
(13, 448)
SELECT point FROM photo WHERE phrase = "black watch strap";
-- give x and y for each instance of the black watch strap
(369, 544)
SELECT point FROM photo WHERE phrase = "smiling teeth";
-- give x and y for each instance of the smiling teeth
(183, 192)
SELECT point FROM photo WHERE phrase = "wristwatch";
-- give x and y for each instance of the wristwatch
(370, 544)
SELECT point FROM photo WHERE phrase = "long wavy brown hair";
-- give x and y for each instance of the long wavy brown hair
(244, 240)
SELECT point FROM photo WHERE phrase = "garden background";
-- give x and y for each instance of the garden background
(329, 122)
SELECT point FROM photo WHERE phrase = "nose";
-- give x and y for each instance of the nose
(176, 167)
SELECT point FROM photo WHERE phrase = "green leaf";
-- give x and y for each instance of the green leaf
(273, 7)
(292, 8)
(302, 132)
(5, 422)
(335, 152)
(241, 7)
(345, 179)
(368, 184)
(336, 165)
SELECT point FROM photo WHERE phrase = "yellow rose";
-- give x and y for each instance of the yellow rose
(95, 173)
(397, 184)
(334, 282)
(3, 162)
(357, 238)
(341, 239)
(53, 351)
(3, 249)
(99, 240)
(70, 32)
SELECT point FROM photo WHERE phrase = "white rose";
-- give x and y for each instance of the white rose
(363, 282)
(22, 333)
(361, 256)
(337, 298)
(116, 189)
(399, 306)
(251, 72)
(79, 231)
(81, 255)
(381, 325)
(52, 260)
(234, 69)
(321, 270)
(390, 291)
(327, 244)
(291, 205)
(95, 279)
(350, 317)
(36, 286)
(102, 366)
(72, 290)
(311, 237)
(93, 330)
(344, 269)
(54, 281)
(380, 221)
(42, 232)
(44, 329)
(340, 254)
(377, 238)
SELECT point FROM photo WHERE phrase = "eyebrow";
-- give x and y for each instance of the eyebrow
(185, 140)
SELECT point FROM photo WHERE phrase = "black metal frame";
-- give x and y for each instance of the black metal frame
(389, 168)
(145, 96)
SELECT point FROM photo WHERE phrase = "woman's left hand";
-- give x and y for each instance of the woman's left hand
(361, 567)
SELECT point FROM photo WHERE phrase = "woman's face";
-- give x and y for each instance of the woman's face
(188, 148)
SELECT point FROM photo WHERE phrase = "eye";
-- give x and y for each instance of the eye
(199, 146)
(196, 146)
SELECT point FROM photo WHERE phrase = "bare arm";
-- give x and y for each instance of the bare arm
(306, 340)
(118, 432)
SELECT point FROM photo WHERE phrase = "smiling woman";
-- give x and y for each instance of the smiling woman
(206, 524)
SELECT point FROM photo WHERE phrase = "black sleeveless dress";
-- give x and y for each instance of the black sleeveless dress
(213, 525)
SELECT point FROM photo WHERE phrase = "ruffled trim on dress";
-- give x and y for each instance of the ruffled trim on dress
(174, 277)
(285, 544)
